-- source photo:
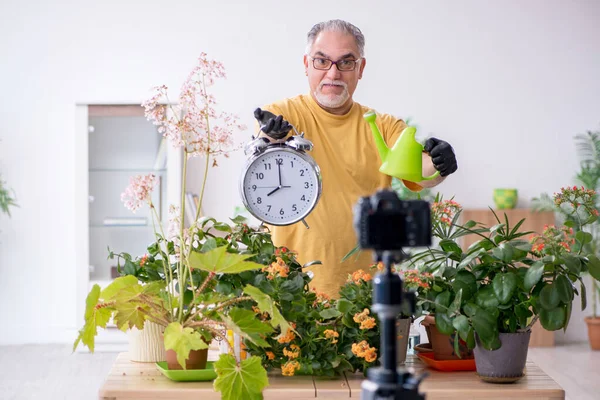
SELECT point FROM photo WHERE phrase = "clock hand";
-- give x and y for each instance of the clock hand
(274, 190)
(279, 170)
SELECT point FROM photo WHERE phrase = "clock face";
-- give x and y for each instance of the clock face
(281, 186)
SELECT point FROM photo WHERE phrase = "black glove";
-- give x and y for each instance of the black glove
(274, 126)
(442, 156)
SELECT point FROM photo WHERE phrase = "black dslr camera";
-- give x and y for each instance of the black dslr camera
(387, 224)
(384, 222)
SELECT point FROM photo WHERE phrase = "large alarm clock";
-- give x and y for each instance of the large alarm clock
(280, 183)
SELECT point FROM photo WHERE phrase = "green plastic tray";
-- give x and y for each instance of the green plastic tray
(189, 375)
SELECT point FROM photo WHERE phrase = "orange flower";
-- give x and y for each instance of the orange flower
(270, 355)
(371, 355)
(363, 350)
(294, 352)
(368, 323)
(278, 268)
(262, 315)
(444, 211)
(290, 368)
(289, 335)
(322, 299)
(364, 320)
(358, 276)
(144, 260)
(331, 334)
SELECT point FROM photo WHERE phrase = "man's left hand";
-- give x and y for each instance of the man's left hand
(442, 156)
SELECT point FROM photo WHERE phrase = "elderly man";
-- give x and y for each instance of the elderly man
(344, 148)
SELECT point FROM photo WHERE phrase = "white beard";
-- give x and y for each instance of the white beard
(332, 101)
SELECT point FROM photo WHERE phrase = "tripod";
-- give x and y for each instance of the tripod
(387, 381)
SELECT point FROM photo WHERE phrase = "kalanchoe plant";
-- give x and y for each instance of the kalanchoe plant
(504, 284)
(306, 347)
(176, 284)
(588, 149)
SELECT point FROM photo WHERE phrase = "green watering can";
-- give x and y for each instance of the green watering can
(404, 159)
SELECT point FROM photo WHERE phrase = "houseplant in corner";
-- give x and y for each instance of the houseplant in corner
(588, 148)
(7, 199)
(180, 271)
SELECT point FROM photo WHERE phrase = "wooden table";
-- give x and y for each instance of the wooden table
(129, 380)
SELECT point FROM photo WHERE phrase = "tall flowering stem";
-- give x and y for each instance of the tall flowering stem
(193, 125)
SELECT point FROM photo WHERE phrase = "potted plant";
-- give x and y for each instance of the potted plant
(176, 287)
(330, 336)
(441, 261)
(588, 148)
(305, 347)
(504, 284)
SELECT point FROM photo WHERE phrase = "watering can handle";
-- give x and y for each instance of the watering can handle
(430, 177)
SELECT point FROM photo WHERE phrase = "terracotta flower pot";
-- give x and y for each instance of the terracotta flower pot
(593, 325)
(443, 345)
(196, 360)
(506, 364)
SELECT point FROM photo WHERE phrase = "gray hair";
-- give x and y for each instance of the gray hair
(336, 25)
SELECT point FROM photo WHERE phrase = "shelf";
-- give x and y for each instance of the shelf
(119, 226)
(127, 170)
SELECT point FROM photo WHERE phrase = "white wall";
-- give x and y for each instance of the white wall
(508, 83)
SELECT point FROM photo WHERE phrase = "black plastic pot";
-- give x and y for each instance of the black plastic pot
(506, 364)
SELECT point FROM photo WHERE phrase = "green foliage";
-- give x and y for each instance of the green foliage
(183, 340)
(244, 381)
(219, 261)
(503, 283)
(266, 304)
(289, 299)
(96, 315)
(201, 305)
(7, 198)
(588, 150)
(245, 323)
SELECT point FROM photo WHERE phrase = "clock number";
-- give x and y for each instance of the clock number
(259, 200)
(260, 175)
(294, 208)
(267, 166)
(292, 164)
(301, 172)
(281, 212)
(269, 207)
(280, 161)
(254, 187)
(305, 185)
(303, 198)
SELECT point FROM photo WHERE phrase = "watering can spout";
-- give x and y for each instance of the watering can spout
(382, 148)
(404, 159)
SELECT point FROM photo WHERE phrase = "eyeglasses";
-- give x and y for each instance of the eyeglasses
(342, 65)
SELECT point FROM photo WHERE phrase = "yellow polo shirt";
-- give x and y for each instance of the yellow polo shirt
(345, 151)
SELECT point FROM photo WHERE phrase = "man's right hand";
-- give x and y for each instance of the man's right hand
(274, 126)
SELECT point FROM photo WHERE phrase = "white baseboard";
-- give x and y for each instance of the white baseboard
(19, 335)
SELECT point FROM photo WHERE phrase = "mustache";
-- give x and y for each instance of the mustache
(330, 82)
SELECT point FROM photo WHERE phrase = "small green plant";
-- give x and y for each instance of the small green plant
(7, 198)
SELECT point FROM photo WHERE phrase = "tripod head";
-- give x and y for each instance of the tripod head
(387, 224)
